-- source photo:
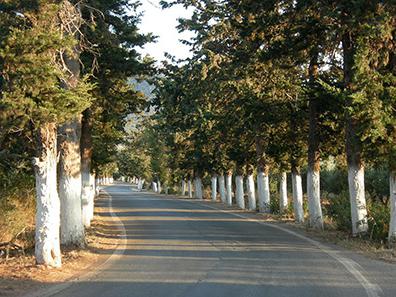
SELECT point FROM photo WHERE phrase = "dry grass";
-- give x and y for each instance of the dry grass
(20, 274)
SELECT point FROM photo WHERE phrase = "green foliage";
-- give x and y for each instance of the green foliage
(378, 220)
(17, 204)
(339, 210)
(31, 57)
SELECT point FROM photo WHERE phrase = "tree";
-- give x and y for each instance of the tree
(32, 70)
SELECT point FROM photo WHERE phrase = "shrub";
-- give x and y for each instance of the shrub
(339, 210)
(378, 220)
(17, 207)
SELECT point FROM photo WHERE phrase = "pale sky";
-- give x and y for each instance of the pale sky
(162, 23)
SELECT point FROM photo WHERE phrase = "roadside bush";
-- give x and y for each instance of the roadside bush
(378, 220)
(339, 210)
(377, 184)
(334, 181)
(17, 208)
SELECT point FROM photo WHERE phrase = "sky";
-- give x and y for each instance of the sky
(162, 23)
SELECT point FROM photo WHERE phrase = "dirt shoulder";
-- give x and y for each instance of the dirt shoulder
(20, 275)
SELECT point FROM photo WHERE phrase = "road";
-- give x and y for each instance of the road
(186, 248)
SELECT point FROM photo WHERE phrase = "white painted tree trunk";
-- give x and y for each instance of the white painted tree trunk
(392, 224)
(189, 188)
(214, 187)
(229, 189)
(47, 242)
(71, 224)
(283, 202)
(142, 184)
(139, 184)
(91, 202)
(263, 192)
(222, 189)
(155, 187)
(198, 188)
(313, 191)
(159, 187)
(183, 188)
(358, 199)
(239, 194)
(251, 191)
(297, 197)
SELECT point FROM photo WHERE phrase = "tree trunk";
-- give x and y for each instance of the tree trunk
(357, 198)
(392, 224)
(229, 188)
(239, 194)
(71, 222)
(86, 148)
(222, 189)
(251, 191)
(263, 190)
(198, 188)
(91, 206)
(354, 146)
(313, 174)
(159, 187)
(214, 187)
(283, 202)
(183, 188)
(297, 195)
(47, 243)
(189, 188)
(155, 187)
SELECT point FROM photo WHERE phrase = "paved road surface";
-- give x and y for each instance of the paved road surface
(182, 248)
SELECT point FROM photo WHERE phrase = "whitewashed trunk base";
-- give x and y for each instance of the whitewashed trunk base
(198, 188)
(72, 229)
(314, 206)
(251, 191)
(214, 188)
(189, 188)
(283, 202)
(239, 194)
(183, 188)
(229, 189)
(263, 192)
(47, 241)
(297, 198)
(222, 189)
(358, 200)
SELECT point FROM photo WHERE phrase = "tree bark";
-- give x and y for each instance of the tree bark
(86, 148)
(239, 194)
(222, 189)
(155, 187)
(214, 187)
(313, 174)
(47, 242)
(183, 188)
(392, 224)
(263, 189)
(262, 178)
(251, 191)
(297, 195)
(189, 188)
(198, 188)
(159, 187)
(71, 222)
(283, 202)
(229, 188)
(354, 147)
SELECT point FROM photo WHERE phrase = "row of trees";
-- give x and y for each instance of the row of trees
(64, 95)
(284, 84)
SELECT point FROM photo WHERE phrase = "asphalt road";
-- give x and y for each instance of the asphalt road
(186, 248)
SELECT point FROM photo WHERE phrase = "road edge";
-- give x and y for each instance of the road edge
(119, 251)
